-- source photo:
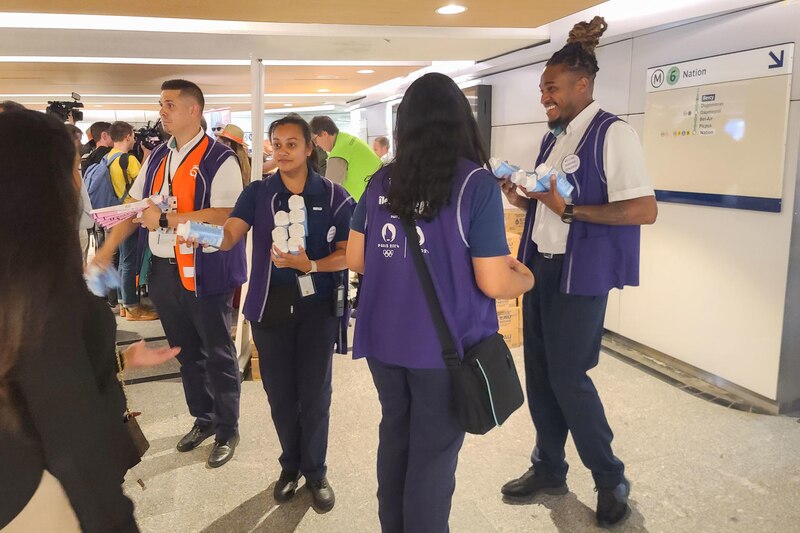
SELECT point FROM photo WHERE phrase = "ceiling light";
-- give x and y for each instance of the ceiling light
(323, 90)
(366, 71)
(451, 9)
(287, 105)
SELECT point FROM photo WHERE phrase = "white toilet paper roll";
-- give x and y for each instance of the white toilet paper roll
(297, 230)
(280, 234)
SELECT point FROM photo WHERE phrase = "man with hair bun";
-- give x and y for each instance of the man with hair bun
(578, 249)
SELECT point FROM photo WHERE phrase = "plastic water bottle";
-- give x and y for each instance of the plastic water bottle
(543, 173)
(101, 281)
(282, 218)
(298, 216)
(296, 202)
(502, 169)
(297, 230)
(282, 245)
(294, 245)
(280, 234)
(206, 234)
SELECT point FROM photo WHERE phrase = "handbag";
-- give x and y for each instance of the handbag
(485, 385)
(140, 442)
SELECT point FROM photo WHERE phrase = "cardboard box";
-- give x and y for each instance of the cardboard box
(255, 369)
(513, 243)
(507, 304)
(515, 220)
(508, 318)
(512, 336)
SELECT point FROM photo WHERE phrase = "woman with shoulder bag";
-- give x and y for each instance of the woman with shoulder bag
(437, 185)
(295, 301)
(64, 443)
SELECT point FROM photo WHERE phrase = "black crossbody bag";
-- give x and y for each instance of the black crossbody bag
(485, 385)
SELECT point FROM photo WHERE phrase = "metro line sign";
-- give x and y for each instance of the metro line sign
(763, 62)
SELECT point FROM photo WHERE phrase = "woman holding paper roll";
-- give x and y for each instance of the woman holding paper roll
(300, 224)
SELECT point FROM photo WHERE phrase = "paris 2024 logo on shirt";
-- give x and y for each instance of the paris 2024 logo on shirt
(389, 236)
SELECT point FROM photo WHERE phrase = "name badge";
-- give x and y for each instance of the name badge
(306, 285)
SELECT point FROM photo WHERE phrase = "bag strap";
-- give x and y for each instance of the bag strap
(449, 352)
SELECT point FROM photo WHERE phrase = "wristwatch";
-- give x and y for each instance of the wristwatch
(162, 221)
(313, 267)
(568, 215)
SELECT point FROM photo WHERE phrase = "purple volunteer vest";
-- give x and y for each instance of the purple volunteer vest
(394, 324)
(261, 267)
(599, 257)
(216, 272)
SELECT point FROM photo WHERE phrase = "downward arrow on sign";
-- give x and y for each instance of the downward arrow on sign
(778, 63)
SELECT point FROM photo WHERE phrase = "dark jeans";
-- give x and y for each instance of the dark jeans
(202, 328)
(127, 294)
(418, 448)
(295, 359)
(562, 336)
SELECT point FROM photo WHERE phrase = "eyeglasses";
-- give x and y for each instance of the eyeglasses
(314, 139)
(217, 128)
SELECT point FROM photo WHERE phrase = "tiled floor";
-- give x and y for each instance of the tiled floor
(695, 466)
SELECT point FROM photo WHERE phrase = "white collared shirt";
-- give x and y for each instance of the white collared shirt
(624, 166)
(225, 189)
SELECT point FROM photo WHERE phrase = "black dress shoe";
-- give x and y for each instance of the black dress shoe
(532, 483)
(222, 452)
(286, 486)
(192, 440)
(612, 505)
(321, 495)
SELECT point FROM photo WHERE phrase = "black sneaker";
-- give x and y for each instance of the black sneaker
(612, 505)
(194, 438)
(321, 494)
(286, 486)
(532, 483)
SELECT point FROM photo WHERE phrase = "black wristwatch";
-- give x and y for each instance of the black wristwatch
(162, 221)
(568, 215)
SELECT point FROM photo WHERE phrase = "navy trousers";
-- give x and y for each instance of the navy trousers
(295, 359)
(202, 328)
(419, 441)
(562, 335)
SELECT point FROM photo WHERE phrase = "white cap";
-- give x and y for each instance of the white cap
(297, 230)
(280, 234)
(543, 170)
(296, 202)
(297, 216)
(281, 218)
(182, 230)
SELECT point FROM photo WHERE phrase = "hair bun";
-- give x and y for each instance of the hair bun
(587, 34)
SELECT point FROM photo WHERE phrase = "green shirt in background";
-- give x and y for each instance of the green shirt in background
(361, 162)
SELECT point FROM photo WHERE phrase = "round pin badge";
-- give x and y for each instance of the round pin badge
(331, 233)
(571, 164)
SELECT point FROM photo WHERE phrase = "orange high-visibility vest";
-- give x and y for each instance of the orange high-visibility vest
(183, 188)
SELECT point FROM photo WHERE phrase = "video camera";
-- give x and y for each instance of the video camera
(148, 137)
(66, 111)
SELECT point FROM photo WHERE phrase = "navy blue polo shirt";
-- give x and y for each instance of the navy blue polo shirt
(487, 235)
(320, 221)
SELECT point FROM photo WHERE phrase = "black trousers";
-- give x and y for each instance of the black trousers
(295, 359)
(417, 450)
(202, 328)
(562, 335)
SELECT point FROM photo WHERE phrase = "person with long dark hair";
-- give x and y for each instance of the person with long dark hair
(437, 181)
(64, 448)
(291, 302)
(578, 249)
